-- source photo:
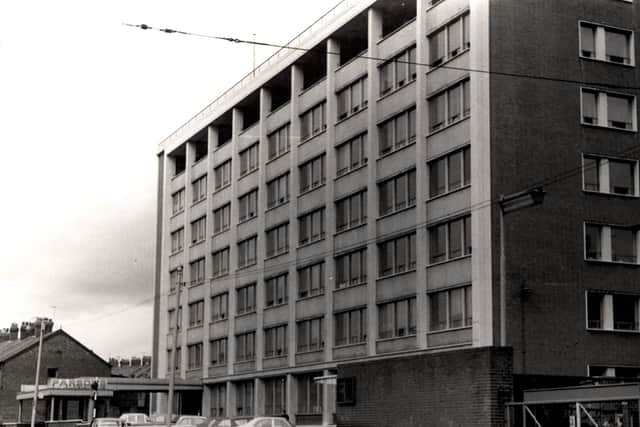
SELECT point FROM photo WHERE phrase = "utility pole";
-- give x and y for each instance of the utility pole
(172, 365)
(34, 405)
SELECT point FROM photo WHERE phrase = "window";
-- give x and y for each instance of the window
(311, 280)
(244, 398)
(397, 318)
(614, 312)
(277, 240)
(310, 335)
(220, 262)
(177, 357)
(398, 131)
(614, 371)
(199, 187)
(278, 142)
(249, 160)
(219, 306)
(194, 352)
(351, 269)
(222, 218)
(277, 290)
(450, 172)
(397, 255)
(309, 394)
(351, 155)
(275, 341)
(351, 211)
(353, 98)
(275, 396)
(247, 252)
(611, 110)
(171, 319)
(450, 240)
(313, 121)
(398, 71)
(351, 327)
(312, 173)
(451, 309)
(218, 399)
(177, 240)
(611, 176)
(449, 41)
(245, 346)
(606, 44)
(196, 269)
(397, 193)
(196, 313)
(177, 201)
(449, 106)
(246, 299)
(175, 277)
(278, 191)
(311, 226)
(346, 387)
(610, 243)
(222, 175)
(248, 205)
(198, 230)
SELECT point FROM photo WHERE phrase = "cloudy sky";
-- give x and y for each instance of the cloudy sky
(84, 103)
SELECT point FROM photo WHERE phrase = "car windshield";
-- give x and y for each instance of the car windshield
(190, 421)
(107, 423)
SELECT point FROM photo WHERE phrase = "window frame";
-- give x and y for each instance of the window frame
(246, 299)
(394, 328)
(276, 341)
(348, 92)
(464, 104)
(603, 175)
(222, 175)
(248, 205)
(222, 302)
(245, 338)
(177, 201)
(224, 269)
(388, 132)
(275, 185)
(401, 59)
(308, 169)
(196, 313)
(279, 290)
(250, 156)
(304, 334)
(197, 271)
(281, 148)
(199, 230)
(605, 241)
(199, 189)
(222, 219)
(601, 120)
(177, 240)
(359, 198)
(445, 160)
(307, 224)
(318, 110)
(194, 356)
(353, 337)
(600, 42)
(466, 305)
(280, 243)
(410, 262)
(391, 184)
(248, 252)
(466, 248)
(607, 312)
(307, 286)
(444, 31)
(360, 140)
(361, 277)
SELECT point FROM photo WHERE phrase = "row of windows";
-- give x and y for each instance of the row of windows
(448, 240)
(309, 398)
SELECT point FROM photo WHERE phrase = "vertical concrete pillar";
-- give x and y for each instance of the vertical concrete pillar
(607, 312)
(483, 292)
(373, 84)
(328, 400)
(422, 177)
(52, 409)
(206, 397)
(291, 391)
(605, 243)
(297, 79)
(333, 62)
(231, 399)
(258, 397)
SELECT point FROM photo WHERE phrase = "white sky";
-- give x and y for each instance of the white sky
(84, 103)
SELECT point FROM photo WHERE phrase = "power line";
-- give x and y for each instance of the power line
(321, 50)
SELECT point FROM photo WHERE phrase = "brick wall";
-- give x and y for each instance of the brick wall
(58, 351)
(453, 388)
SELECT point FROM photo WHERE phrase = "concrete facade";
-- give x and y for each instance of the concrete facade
(500, 109)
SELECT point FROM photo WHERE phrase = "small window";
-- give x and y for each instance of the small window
(449, 106)
(610, 176)
(606, 44)
(612, 110)
(346, 391)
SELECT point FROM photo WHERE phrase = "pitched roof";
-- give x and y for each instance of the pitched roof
(10, 349)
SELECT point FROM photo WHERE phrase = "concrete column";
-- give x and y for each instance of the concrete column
(231, 399)
(603, 175)
(605, 243)
(607, 312)
(297, 79)
(601, 106)
(422, 187)
(483, 226)
(258, 397)
(52, 409)
(291, 392)
(206, 397)
(600, 43)
(373, 84)
(333, 62)
(328, 401)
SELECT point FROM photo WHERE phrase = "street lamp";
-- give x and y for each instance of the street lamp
(172, 364)
(510, 203)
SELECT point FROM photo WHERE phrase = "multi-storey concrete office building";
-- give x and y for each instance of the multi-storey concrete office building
(342, 203)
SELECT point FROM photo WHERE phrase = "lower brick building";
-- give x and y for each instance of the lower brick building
(62, 357)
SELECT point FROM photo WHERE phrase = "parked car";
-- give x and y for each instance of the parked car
(106, 422)
(130, 419)
(159, 419)
(189, 420)
(267, 422)
(224, 422)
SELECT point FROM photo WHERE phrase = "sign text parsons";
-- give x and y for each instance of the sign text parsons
(77, 383)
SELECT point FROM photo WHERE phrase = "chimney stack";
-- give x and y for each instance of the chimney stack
(26, 330)
(113, 362)
(124, 363)
(48, 326)
(136, 362)
(13, 332)
(146, 360)
(4, 335)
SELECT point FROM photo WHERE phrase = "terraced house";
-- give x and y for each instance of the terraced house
(434, 204)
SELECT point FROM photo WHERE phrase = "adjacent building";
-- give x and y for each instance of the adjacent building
(62, 357)
(348, 205)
